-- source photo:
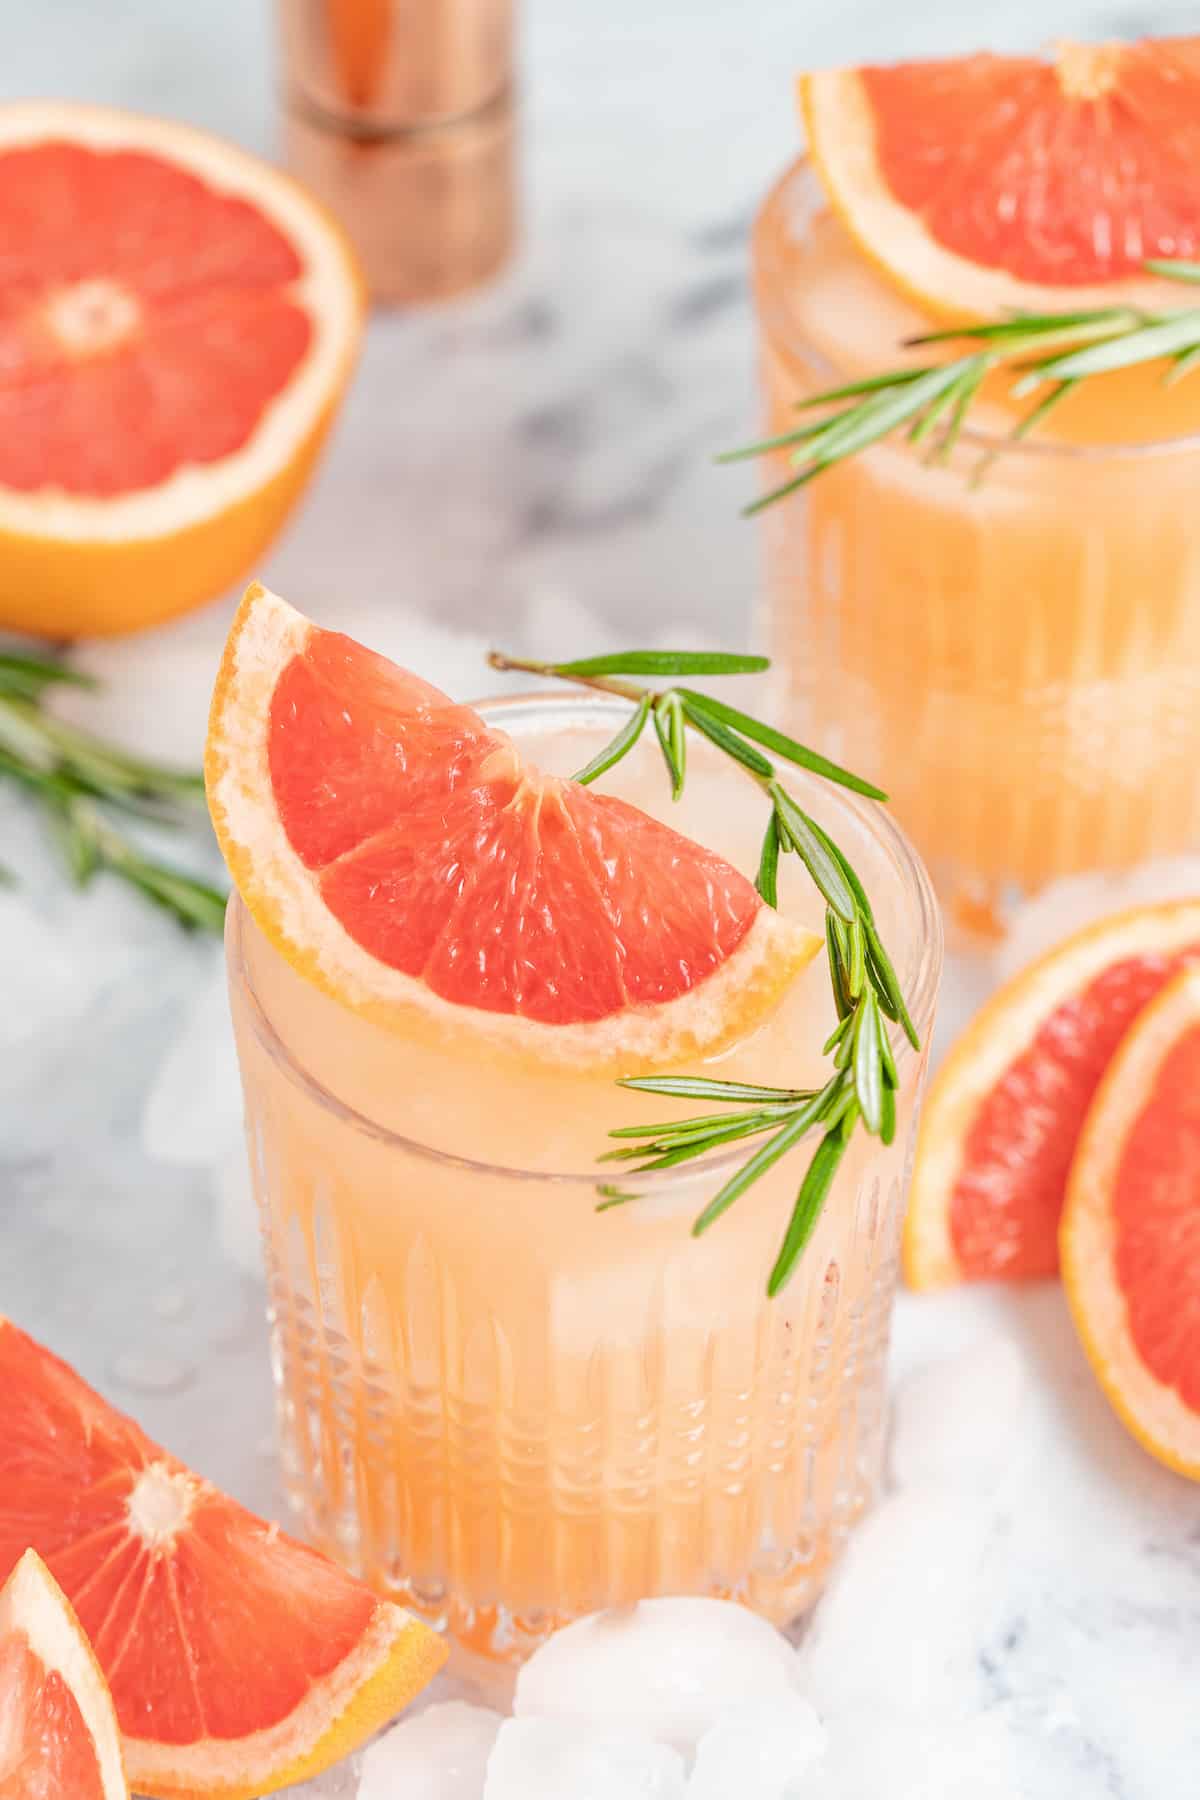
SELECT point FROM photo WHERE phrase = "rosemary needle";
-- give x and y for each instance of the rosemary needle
(82, 784)
(861, 1088)
(931, 402)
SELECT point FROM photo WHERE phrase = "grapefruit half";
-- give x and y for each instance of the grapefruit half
(1003, 1116)
(177, 324)
(1130, 1230)
(984, 183)
(239, 1660)
(401, 853)
(58, 1731)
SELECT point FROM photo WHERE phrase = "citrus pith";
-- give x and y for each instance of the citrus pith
(1003, 1115)
(982, 184)
(177, 324)
(58, 1731)
(1130, 1231)
(401, 853)
(239, 1660)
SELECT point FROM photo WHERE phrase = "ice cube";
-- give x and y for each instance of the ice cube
(876, 1755)
(193, 1112)
(665, 1668)
(441, 1754)
(75, 968)
(337, 1783)
(758, 1751)
(555, 1759)
(958, 1421)
(894, 1625)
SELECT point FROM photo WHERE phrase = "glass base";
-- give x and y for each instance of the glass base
(747, 1496)
(487, 1639)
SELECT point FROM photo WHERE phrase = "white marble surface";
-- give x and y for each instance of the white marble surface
(532, 467)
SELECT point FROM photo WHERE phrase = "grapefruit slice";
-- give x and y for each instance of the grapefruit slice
(58, 1731)
(177, 324)
(239, 1660)
(400, 853)
(984, 183)
(1003, 1116)
(1130, 1232)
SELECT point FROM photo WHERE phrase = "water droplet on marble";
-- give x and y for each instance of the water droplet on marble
(171, 1303)
(147, 1373)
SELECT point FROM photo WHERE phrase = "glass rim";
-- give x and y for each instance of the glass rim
(923, 973)
(801, 171)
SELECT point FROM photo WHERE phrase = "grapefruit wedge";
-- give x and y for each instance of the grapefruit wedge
(1003, 1116)
(1130, 1231)
(984, 183)
(239, 1660)
(177, 324)
(402, 855)
(58, 1731)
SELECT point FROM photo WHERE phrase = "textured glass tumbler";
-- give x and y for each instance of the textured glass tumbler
(1017, 658)
(506, 1409)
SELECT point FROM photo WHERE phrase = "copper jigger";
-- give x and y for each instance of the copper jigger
(399, 114)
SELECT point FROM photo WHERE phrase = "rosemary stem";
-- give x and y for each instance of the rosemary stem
(605, 684)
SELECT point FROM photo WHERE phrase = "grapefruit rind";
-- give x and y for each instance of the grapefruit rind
(397, 1658)
(840, 131)
(1153, 1412)
(75, 565)
(286, 904)
(999, 1033)
(32, 1603)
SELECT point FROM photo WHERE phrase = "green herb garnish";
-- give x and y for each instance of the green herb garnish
(82, 785)
(1051, 353)
(862, 1086)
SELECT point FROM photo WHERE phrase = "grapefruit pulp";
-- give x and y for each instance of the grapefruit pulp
(58, 1731)
(982, 184)
(1003, 1116)
(400, 853)
(239, 1660)
(1130, 1230)
(177, 324)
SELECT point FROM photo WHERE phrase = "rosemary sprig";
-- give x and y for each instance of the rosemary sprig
(79, 781)
(1051, 352)
(862, 1086)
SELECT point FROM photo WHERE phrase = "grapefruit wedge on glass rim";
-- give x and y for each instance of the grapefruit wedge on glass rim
(400, 853)
(1130, 1231)
(1003, 1115)
(58, 1730)
(178, 322)
(981, 184)
(239, 1660)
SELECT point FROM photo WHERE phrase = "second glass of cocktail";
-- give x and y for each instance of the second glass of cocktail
(509, 1393)
(996, 600)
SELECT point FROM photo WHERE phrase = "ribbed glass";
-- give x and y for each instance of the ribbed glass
(506, 1409)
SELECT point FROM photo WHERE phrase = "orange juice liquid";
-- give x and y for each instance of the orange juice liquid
(505, 1408)
(1017, 661)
